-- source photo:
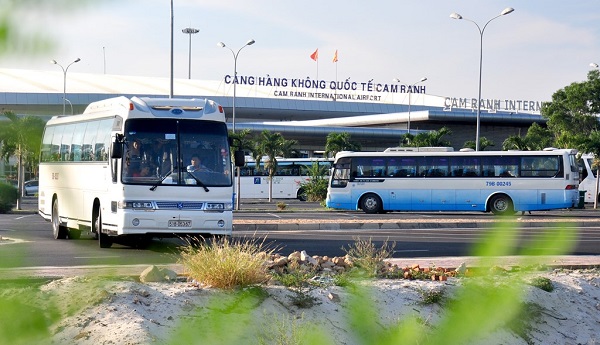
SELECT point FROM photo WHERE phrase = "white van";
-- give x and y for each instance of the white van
(588, 177)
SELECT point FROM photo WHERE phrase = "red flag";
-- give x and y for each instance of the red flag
(335, 59)
(315, 55)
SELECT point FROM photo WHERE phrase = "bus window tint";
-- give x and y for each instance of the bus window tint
(433, 166)
(465, 166)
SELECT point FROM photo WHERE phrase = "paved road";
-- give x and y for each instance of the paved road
(434, 236)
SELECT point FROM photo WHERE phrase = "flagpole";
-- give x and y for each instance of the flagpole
(335, 60)
(336, 81)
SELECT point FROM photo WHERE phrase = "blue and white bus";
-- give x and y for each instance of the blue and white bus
(498, 181)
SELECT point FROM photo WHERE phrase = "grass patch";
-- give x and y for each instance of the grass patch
(429, 297)
(369, 258)
(542, 283)
(227, 263)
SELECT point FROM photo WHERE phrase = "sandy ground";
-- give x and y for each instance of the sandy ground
(126, 311)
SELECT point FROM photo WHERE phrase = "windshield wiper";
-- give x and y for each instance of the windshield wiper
(161, 180)
(198, 180)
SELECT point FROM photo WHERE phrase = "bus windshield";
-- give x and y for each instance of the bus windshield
(176, 152)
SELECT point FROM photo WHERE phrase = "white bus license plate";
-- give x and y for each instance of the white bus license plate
(180, 223)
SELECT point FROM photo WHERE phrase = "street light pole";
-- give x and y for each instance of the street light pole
(410, 93)
(190, 31)
(481, 31)
(65, 80)
(235, 56)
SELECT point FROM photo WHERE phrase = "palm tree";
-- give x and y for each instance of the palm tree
(431, 138)
(273, 145)
(483, 144)
(21, 137)
(337, 142)
(515, 142)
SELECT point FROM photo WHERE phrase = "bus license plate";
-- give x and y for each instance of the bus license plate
(180, 223)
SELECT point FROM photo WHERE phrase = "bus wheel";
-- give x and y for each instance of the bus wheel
(302, 195)
(103, 239)
(371, 203)
(501, 204)
(60, 232)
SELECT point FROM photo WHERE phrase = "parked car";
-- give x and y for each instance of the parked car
(31, 187)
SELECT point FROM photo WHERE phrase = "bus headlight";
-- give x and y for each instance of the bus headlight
(221, 223)
(216, 206)
(135, 222)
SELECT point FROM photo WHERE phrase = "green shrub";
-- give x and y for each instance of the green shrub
(542, 283)
(367, 257)
(227, 263)
(8, 197)
(315, 189)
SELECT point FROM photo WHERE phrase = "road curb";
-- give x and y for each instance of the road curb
(299, 226)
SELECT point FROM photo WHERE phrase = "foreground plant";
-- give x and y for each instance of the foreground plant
(369, 258)
(227, 263)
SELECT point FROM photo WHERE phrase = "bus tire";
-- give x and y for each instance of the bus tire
(501, 204)
(371, 203)
(302, 195)
(103, 239)
(59, 232)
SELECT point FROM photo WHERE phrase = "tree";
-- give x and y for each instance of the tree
(315, 187)
(273, 145)
(483, 144)
(427, 139)
(573, 117)
(21, 137)
(515, 142)
(337, 142)
(538, 137)
(572, 113)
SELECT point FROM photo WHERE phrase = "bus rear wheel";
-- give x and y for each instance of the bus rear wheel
(59, 232)
(371, 203)
(501, 204)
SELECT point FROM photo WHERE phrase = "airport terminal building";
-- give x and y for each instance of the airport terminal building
(375, 114)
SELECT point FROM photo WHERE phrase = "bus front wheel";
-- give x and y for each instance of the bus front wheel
(501, 204)
(60, 232)
(103, 239)
(371, 203)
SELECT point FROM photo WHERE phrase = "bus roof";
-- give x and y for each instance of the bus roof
(454, 153)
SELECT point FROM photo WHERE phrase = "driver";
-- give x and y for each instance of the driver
(196, 165)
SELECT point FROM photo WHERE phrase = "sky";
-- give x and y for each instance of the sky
(541, 47)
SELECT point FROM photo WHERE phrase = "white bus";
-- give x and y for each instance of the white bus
(498, 181)
(588, 178)
(120, 170)
(287, 182)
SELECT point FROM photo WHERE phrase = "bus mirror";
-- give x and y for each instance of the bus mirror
(116, 150)
(239, 158)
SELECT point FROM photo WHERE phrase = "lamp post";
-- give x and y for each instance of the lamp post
(190, 31)
(410, 93)
(235, 56)
(65, 80)
(481, 31)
